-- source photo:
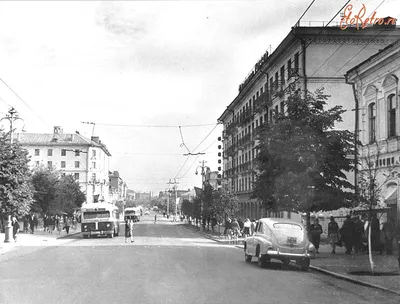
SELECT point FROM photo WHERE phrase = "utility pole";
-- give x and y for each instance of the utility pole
(12, 116)
(203, 173)
(175, 188)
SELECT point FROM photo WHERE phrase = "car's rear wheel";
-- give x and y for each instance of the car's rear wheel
(247, 257)
(304, 264)
(263, 260)
(111, 235)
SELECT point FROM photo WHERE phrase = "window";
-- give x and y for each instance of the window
(271, 83)
(261, 91)
(76, 175)
(391, 116)
(37, 152)
(49, 152)
(50, 164)
(372, 122)
(93, 176)
(63, 152)
(261, 120)
(62, 164)
(289, 67)
(37, 163)
(94, 165)
(93, 153)
(77, 152)
(77, 164)
(296, 62)
(282, 107)
(283, 74)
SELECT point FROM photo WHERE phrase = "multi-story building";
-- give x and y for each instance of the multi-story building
(376, 87)
(88, 160)
(308, 58)
(117, 188)
(211, 178)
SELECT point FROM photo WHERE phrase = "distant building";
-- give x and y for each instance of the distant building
(211, 178)
(88, 160)
(376, 86)
(308, 58)
(117, 188)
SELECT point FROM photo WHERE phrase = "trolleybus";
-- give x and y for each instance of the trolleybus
(100, 219)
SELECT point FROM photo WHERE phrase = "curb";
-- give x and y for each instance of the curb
(349, 279)
(324, 271)
(68, 235)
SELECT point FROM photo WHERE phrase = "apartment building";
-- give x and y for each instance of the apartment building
(117, 187)
(88, 160)
(376, 86)
(308, 58)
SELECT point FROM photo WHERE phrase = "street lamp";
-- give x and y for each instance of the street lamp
(11, 116)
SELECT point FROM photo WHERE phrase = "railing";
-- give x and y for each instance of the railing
(262, 102)
(230, 128)
(246, 116)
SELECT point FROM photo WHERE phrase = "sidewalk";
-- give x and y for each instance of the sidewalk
(38, 238)
(354, 268)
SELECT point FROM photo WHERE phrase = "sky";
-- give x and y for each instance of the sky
(140, 69)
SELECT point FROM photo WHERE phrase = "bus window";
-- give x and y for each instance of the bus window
(96, 214)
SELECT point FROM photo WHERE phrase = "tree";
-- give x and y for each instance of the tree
(227, 204)
(302, 158)
(68, 196)
(187, 207)
(371, 187)
(44, 181)
(15, 189)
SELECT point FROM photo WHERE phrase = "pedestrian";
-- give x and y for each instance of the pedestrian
(228, 227)
(347, 234)
(246, 227)
(253, 226)
(389, 231)
(213, 223)
(358, 235)
(129, 230)
(67, 222)
(375, 234)
(15, 226)
(26, 223)
(155, 218)
(316, 231)
(235, 230)
(333, 233)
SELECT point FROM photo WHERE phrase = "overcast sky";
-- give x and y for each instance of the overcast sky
(131, 63)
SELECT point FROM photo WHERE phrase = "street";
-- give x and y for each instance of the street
(167, 263)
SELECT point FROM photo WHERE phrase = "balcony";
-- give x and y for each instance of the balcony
(231, 128)
(293, 73)
(245, 140)
(245, 117)
(277, 88)
(262, 102)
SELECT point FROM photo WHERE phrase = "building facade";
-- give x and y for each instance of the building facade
(117, 188)
(88, 160)
(309, 58)
(376, 87)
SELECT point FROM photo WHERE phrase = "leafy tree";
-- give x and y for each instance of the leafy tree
(15, 189)
(187, 207)
(302, 157)
(227, 204)
(68, 196)
(44, 181)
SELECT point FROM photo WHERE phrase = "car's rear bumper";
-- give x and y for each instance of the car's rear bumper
(293, 256)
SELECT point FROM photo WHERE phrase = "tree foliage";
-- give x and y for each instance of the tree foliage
(15, 189)
(55, 194)
(303, 159)
(68, 196)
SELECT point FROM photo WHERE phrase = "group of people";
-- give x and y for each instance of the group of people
(59, 223)
(238, 228)
(354, 234)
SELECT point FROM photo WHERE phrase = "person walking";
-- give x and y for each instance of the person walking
(347, 234)
(358, 235)
(32, 222)
(246, 227)
(155, 218)
(128, 230)
(15, 226)
(333, 233)
(389, 231)
(316, 231)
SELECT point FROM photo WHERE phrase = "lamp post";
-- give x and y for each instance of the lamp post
(11, 116)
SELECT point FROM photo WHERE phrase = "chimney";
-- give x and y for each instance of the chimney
(95, 139)
(58, 130)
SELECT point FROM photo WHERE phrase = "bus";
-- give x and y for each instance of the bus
(99, 219)
(133, 213)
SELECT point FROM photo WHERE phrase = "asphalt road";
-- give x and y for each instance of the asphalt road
(167, 263)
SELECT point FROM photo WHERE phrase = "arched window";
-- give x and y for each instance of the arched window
(372, 122)
(391, 103)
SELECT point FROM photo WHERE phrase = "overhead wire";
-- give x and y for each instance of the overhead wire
(154, 126)
(23, 101)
